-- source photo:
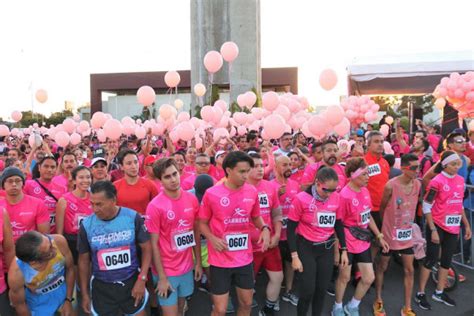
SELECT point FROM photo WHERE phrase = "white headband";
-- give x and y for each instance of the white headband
(449, 159)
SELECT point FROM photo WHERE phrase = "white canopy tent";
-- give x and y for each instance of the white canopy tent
(405, 74)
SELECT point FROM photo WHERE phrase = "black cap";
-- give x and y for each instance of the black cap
(99, 152)
(10, 172)
(201, 184)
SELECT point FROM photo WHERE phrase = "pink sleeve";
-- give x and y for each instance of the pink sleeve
(276, 200)
(205, 209)
(308, 175)
(270, 167)
(256, 207)
(42, 215)
(295, 211)
(152, 221)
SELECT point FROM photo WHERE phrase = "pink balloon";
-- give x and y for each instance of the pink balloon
(229, 51)
(343, 127)
(113, 129)
(41, 95)
(35, 140)
(140, 132)
(318, 125)
(166, 111)
(294, 106)
(98, 120)
(62, 138)
(240, 118)
(183, 117)
(274, 125)
(305, 130)
(16, 116)
(186, 131)
(265, 135)
(283, 112)
(250, 99)
(69, 125)
(101, 136)
(336, 114)
(75, 139)
(219, 133)
(129, 128)
(270, 100)
(213, 61)
(217, 116)
(221, 104)
(387, 148)
(84, 125)
(241, 130)
(328, 79)
(242, 101)
(207, 113)
(172, 79)
(76, 117)
(199, 142)
(146, 95)
(257, 113)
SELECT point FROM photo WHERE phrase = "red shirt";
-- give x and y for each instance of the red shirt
(378, 177)
(136, 196)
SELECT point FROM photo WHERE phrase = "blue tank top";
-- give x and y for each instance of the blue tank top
(112, 244)
(463, 170)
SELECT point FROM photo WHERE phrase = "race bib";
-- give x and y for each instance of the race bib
(51, 287)
(52, 219)
(184, 240)
(403, 234)
(374, 170)
(453, 220)
(284, 222)
(365, 217)
(237, 242)
(263, 200)
(113, 259)
(326, 219)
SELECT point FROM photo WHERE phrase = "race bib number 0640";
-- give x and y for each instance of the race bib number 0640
(113, 259)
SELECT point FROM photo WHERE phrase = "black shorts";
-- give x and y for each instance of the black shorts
(406, 251)
(111, 299)
(363, 257)
(72, 243)
(447, 242)
(285, 251)
(377, 219)
(222, 278)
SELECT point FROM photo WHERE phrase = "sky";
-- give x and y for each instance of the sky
(56, 45)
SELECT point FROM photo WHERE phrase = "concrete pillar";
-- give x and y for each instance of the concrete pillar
(214, 22)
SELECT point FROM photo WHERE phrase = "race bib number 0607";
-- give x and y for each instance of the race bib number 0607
(237, 242)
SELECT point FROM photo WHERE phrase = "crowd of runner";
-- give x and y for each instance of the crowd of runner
(120, 227)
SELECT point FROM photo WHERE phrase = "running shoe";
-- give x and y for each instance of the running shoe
(266, 311)
(331, 290)
(230, 307)
(204, 287)
(407, 312)
(422, 302)
(276, 307)
(290, 298)
(254, 302)
(337, 311)
(378, 308)
(443, 298)
(351, 311)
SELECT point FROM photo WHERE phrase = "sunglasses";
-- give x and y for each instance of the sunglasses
(412, 168)
(460, 141)
(328, 190)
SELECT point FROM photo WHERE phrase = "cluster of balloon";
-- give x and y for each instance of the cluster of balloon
(360, 109)
(458, 90)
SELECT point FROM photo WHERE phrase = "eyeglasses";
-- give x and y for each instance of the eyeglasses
(14, 181)
(412, 168)
(328, 190)
(203, 164)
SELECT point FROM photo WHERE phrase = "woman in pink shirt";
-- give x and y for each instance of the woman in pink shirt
(355, 207)
(443, 210)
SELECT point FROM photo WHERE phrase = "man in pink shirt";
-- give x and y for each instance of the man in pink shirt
(224, 219)
(202, 163)
(68, 163)
(26, 212)
(170, 219)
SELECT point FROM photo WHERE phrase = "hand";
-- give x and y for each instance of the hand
(163, 286)
(86, 303)
(344, 260)
(138, 291)
(265, 239)
(197, 272)
(435, 237)
(218, 244)
(274, 241)
(67, 309)
(384, 245)
(296, 264)
(468, 233)
(282, 189)
(337, 257)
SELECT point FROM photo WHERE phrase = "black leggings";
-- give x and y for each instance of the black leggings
(448, 243)
(318, 263)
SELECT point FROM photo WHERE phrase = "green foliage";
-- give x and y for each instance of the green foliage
(397, 106)
(147, 113)
(29, 118)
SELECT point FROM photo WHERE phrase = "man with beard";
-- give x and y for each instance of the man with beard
(68, 163)
(287, 190)
(133, 191)
(330, 151)
(285, 145)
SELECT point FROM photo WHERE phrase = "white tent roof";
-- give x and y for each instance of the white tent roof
(416, 73)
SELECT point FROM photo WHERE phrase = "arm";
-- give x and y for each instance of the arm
(163, 284)
(400, 138)
(373, 227)
(70, 277)
(17, 290)
(467, 227)
(60, 214)
(219, 244)
(277, 219)
(430, 174)
(8, 244)
(197, 253)
(84, 271)
(169, 144)
(387, 193)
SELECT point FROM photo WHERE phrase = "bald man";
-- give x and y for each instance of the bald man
(287, 190)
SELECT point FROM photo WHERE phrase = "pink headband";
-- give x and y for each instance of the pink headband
(358, 172)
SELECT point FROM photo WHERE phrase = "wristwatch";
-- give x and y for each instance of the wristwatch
(267, 227)
(142, 277)
(69, 299)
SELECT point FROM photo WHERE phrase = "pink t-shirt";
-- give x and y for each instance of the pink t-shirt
(76, 210)
(315, 219)
(448, 204)
(297, 175)
(399, 214)
(33, 189)
(268, 200)
(229, 213)
(286, 201)
(216, 172)
(311, 170)
(173, 221)
(62, 181)
(26, 215)
(3, 284)
(189, 168)
(355, 210)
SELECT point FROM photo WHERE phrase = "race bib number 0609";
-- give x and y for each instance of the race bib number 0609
(237, 242)
(113, 259)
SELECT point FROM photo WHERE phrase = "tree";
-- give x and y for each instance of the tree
(397, 106)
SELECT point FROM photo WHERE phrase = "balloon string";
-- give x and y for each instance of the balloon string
(211, 77)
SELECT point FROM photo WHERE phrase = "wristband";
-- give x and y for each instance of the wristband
(265, 226)
(70, 300)
(343, 248)
(380, 236)
(433, 229)
(294, 255)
